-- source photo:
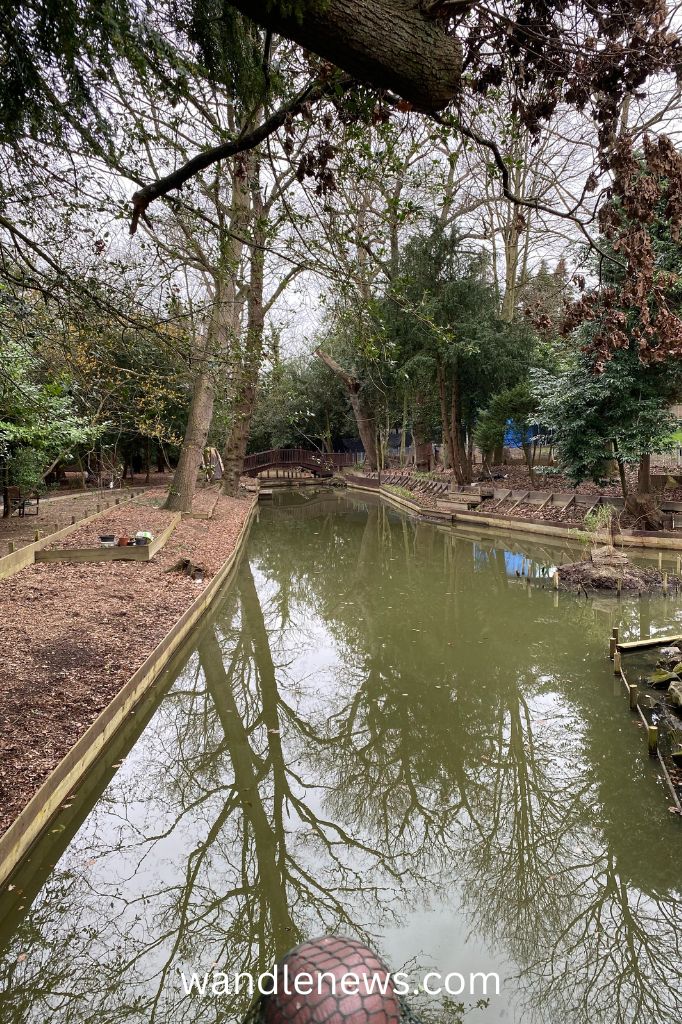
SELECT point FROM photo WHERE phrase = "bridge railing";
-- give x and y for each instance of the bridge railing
(298, 457)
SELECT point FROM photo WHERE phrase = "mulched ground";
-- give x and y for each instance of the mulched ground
(73, 634)
(573, 516)
(123, 519)
(516, 477)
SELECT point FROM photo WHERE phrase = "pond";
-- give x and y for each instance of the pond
(381, 731)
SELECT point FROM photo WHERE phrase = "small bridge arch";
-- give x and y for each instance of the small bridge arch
(322, 464)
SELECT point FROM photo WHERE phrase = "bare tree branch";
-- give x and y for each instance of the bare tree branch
(247, 141)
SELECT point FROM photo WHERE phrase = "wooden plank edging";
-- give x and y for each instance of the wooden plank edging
(135, 553)
(64, 778)
(25, 556)
(632, 689)
(648, 643)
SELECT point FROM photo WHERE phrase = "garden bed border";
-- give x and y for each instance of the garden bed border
(25, 555)
(134, 553)
(65, 777)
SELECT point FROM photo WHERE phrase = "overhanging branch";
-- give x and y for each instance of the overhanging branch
(247, 141)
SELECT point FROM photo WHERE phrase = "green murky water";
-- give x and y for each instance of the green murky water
(379, 731)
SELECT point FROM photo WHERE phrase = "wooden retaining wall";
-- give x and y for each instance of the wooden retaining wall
(44, 804)
(664, 541)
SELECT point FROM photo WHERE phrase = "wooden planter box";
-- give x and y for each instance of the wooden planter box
(134, 553)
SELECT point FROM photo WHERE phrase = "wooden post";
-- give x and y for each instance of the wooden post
(117, 501)
(665, 583)
(556, 579)
(98, 507)
(652, 739)
(633, 696)
(73, 520)
(37, 535)
(613, 640)
(616, 662)
(11, 546)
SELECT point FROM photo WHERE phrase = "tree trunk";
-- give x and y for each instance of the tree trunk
(470, 456)
(511, 248)
(621, 469)
(220, 341)
(199, 418)
(529, 456)
(451, 428)
(462, 470)
(245, 398)
(403, 431)
(644, 475)
(445, 424)
(364, 421)
(238, 439)
(392, 44)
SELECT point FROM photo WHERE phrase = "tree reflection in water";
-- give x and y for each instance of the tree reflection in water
(376, 719)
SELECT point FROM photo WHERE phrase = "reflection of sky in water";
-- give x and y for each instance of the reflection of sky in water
(517, 563)
(379, 732)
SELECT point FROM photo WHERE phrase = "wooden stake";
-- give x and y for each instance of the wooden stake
(616, 663)
(612, 645)
(556, 579)
(616, 633)
(73, 520)
(652, 739)
(633, 697)
(37, 535)
(11, 546)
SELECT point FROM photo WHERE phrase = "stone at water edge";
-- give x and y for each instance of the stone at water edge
(660, 679)
(670, 653)
(337, 956)
(675, 693)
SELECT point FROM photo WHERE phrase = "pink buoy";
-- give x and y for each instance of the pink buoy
(327, 960)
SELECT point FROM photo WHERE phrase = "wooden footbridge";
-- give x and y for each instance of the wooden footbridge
(323, 464)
